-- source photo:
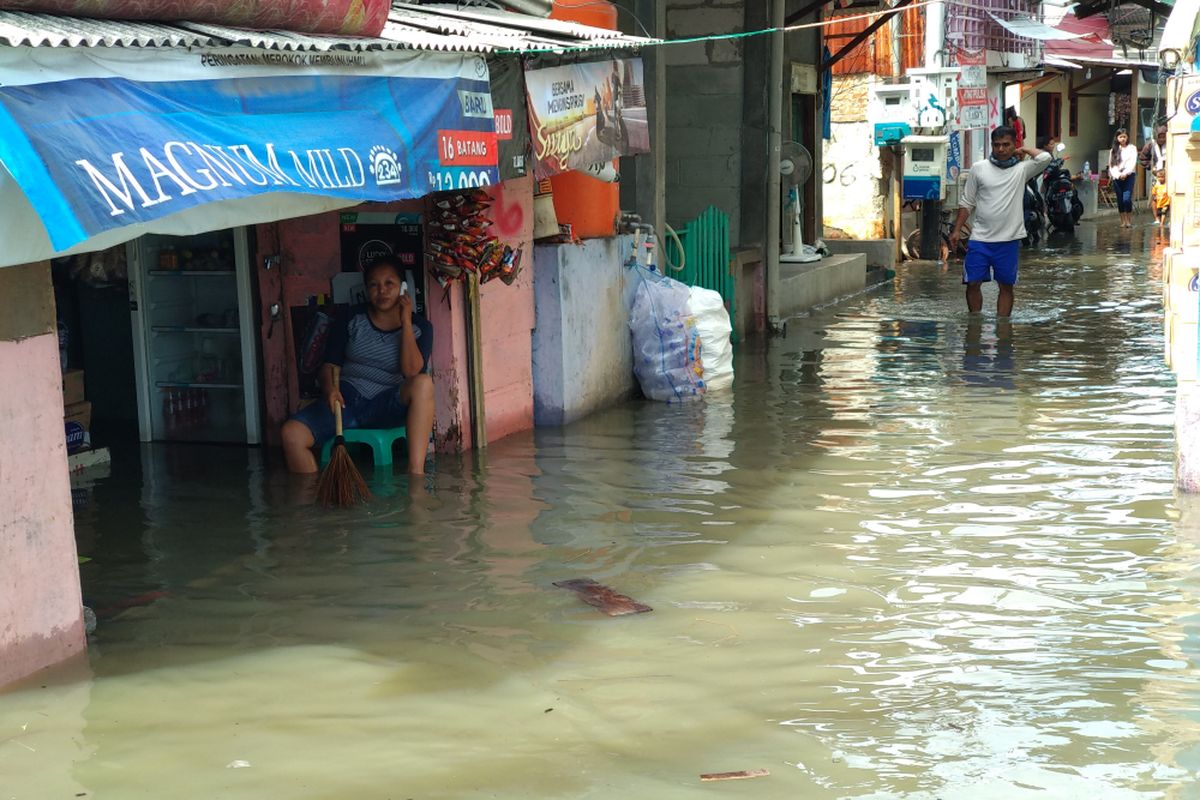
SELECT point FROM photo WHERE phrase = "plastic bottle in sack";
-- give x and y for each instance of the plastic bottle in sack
(666, 346)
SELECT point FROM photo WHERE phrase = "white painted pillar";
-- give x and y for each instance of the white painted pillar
(935, 34)
(1187, 437)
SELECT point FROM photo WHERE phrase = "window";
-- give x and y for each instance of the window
(1073, 115)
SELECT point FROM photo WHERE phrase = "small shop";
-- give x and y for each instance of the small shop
(191, 332)
(255, 216)
(158, 341)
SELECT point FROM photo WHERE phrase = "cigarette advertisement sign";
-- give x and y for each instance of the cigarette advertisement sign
(94, 154)
(972, 89)
(585, 114)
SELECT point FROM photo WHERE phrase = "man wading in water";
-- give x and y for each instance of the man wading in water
(995, 191)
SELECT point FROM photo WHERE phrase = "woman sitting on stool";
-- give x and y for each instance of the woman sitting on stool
(382, 350)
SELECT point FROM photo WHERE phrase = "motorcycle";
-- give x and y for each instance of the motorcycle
(1034, 212)
(1059, 197)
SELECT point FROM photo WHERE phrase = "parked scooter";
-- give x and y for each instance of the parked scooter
(1034, 212)
(1060, 199)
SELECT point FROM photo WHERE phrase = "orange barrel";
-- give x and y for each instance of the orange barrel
(589, 205)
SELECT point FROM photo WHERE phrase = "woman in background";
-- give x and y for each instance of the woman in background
(1122, 169)
(1017, 124)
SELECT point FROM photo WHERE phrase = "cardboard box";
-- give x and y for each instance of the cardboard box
(73, 387)
(77, 420)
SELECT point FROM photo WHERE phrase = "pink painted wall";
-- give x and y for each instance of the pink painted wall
(309, 250)
(507, 315)
(41, 619)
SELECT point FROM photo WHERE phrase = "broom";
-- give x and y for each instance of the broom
(341, 484)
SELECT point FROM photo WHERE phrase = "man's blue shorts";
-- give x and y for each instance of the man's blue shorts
(985, 259)
(384, 410)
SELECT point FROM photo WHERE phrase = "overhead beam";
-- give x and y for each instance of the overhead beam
(796, 16)
(1034, 85)
(1073, 90)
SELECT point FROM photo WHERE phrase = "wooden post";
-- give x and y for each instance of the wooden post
(475, 363)
(1141, 182)
(897, 203)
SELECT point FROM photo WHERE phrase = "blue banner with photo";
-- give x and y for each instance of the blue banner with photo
(95, 154)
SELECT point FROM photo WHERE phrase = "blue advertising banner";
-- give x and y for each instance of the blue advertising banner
(94, 154)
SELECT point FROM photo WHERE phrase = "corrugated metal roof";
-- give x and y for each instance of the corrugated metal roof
(507, 19)
(21, 29)
(409, 27)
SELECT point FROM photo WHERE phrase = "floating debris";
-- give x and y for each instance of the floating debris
(608, 600)
(735, 776)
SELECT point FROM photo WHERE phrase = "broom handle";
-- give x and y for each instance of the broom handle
(337, 407)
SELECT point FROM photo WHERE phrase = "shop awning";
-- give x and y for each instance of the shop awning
(1030, 28)
(112, 129)
(100, 151)
(1084, 62)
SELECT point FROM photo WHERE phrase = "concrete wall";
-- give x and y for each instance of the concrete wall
(582, 357)
(508, 318)
(41, 620)
(802, 46)
(856, 198)
(704, 102)
(1095, 133)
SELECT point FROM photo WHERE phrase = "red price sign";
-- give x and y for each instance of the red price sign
(467, 148)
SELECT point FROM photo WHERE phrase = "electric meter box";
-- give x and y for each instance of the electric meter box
(893, 111)
(936, 94)
(924, 176)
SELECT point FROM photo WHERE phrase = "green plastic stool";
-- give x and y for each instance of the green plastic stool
(380, 440)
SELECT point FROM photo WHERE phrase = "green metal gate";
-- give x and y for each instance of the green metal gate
(706, 255)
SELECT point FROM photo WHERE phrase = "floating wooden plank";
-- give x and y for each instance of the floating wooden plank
(740, 775)
(608, 600)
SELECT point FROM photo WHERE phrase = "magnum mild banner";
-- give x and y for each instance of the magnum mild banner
(584, 114)
(97, 153)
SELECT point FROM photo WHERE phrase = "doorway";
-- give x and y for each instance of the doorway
(1049, 117)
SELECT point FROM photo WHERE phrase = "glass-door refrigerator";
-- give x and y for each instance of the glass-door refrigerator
(195, 346)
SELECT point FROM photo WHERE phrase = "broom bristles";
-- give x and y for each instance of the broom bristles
(341, 484)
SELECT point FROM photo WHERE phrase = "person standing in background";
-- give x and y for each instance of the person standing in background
(1017, 124)
(1122, 169)
(1153, 157)
(1160, 199)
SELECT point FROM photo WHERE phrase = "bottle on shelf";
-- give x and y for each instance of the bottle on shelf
(168, 411)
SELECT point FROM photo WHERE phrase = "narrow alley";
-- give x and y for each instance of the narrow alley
(912, 555)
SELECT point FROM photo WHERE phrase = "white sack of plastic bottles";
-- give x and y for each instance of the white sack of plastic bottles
(666, 342)
(716, 347)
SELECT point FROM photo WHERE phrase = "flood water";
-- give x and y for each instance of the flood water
(910, 556)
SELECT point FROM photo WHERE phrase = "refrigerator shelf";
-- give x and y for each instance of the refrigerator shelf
(193, 329)
(182, 385)
(191, 272)
(193, 324)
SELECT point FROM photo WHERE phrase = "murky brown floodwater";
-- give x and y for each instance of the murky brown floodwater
(910, 557)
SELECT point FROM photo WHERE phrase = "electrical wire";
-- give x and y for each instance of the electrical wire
(721, 36)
